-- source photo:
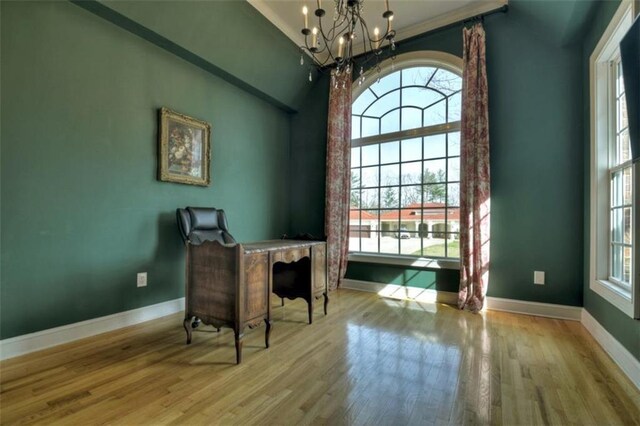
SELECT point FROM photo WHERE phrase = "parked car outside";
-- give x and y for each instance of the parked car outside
(403, 233)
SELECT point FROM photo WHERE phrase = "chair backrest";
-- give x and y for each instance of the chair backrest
(199, 224)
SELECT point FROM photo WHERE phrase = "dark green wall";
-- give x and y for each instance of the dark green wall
(230, 34)
(535, 104)
(82, 211)
(626, 330)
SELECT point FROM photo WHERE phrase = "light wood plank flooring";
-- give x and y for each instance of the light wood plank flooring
(370, 361)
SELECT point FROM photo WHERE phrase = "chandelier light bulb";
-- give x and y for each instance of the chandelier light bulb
(306, 17)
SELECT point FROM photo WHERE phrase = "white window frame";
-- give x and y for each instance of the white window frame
(432, 58)
(602, 119)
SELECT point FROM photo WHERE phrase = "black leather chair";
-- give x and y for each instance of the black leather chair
(200, 224)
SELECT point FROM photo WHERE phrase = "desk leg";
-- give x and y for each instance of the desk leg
(310, 303)
(267, 333)
(187, 326)
(239, 337)
(326, 302)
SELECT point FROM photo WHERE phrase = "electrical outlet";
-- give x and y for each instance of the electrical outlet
(142, 279)
(538, 277)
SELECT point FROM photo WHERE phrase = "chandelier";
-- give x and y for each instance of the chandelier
(335, 42)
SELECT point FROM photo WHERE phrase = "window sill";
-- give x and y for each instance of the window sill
(615, 295)
(416, 262)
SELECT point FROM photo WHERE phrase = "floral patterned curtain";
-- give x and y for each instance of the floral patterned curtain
(336, 223)
(475, 195)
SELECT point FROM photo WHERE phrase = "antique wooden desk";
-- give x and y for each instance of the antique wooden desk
(298, 269)
(230, 284)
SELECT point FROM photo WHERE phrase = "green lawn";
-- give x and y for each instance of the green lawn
(438, 250)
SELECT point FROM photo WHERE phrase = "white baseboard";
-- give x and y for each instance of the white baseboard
(620, 355)
(549, 310)
(395, 291)
(495, 303)
(32, 342)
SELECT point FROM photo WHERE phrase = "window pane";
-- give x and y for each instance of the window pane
(453, 245)
(411, 149)
(370, 198)
(617, 225)
(411, 118)
(627, 185)
(626, 267)
(391, 122)
(363, 101)
(355, 127)
(355, 178)
(384, 104)
(390, 152)
(370, 177)
(455, 107)
(419, 97)
(417, 76)
(616, 189)
(370, 155)
(624, 147)
(389, 244)
(434, 244)
(435, 193)
(453, 194)
(355, 157)
(389, 220)
(354, 241)
(453, 219)
(623, 117)
(354, 217)
(370, 244)
(454, 143)
(370, 126)
(386, 84)
(453, 169)
(626, 225)
(435, 171)
(411, 173)
(446, 82)
(390, 197)
(409, 243)
(616, 262)
(435, 146)
(410, 195)
(355, 198)
(435, 114)
(390, 174)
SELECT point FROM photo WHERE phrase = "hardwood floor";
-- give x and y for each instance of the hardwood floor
(370, 361)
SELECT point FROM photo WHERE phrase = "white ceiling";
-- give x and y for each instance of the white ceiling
(411, 17)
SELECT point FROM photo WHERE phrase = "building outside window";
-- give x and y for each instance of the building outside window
(405, 159)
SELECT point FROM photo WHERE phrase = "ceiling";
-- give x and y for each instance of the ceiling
(411, 17)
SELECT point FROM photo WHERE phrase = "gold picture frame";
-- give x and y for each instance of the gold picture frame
(184, 149)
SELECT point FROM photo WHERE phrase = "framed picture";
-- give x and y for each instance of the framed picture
(184, 151)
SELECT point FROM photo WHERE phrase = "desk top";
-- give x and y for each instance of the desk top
(275, 245)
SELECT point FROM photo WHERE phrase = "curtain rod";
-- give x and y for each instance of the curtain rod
(479, 17)
(502, 9)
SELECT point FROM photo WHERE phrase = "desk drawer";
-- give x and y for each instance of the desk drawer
(289, 256)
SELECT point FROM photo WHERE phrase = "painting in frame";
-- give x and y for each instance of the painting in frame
(184, 151)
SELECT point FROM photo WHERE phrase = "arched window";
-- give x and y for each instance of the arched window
(405, 159)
